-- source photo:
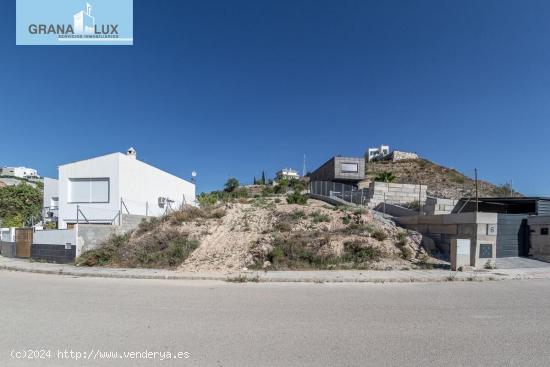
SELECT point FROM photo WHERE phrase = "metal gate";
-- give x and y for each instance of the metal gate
(23, 242)
(512, 235)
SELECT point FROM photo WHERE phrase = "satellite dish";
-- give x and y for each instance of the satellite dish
(194, 174)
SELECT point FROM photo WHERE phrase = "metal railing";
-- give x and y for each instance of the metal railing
(345, 192)
(91, 214)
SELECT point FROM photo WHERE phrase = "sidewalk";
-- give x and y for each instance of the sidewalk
(336, 276)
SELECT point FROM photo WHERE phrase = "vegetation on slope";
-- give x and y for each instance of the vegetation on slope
(442, 182)
(157, 243)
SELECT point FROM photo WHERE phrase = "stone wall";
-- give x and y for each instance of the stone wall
(540, 238)
(436, 206)
(394, 193)
(396, 156)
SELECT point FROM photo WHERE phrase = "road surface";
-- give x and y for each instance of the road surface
(68, 321)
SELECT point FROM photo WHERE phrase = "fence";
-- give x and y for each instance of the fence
(92, 214)
(348, 193)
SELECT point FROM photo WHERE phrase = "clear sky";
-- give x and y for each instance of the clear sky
(231, 88)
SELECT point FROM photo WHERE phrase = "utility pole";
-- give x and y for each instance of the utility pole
(304, 167)
(477, 194)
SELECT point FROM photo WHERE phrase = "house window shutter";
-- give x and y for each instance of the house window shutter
(89, 190)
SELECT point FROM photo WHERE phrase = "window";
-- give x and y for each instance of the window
(89, 190)
(544, 231)
(350, 167)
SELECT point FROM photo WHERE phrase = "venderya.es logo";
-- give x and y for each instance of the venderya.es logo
(75, 22)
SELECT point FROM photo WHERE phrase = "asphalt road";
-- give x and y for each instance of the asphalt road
(221, 324)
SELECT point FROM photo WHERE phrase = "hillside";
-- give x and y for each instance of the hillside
(264, 233)
(442, 181)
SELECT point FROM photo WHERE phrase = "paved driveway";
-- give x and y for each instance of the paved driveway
(520, 263)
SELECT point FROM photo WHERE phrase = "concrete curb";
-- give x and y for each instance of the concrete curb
(303, 277)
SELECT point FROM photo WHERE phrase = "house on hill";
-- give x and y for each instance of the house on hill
(99, 190)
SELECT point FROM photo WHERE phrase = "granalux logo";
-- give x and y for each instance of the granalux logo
(72, 22)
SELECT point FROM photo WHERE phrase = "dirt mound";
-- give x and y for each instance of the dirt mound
(263, 233)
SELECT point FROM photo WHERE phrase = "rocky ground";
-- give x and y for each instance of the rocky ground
(271, 234)
(442, 181)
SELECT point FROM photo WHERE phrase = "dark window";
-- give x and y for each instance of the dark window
(485, 251)
(544, 231)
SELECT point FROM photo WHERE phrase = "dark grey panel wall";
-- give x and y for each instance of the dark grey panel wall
(512, 235)
(325, 172)
(7, 249)
(53, 253)
(333, 170)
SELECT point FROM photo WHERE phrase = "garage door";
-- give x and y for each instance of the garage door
(512, 235)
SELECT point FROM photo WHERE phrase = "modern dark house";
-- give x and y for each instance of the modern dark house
(347, 170)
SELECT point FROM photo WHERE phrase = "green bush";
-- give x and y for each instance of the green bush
(19, 204)
(297, 215)
(360, 252)
(207, 199)
(319, 217)
(297, 198)
(385, 176)
(160, 248)
(231, 184)
(379, 234)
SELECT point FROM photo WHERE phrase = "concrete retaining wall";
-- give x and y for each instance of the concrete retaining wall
(394, 193)
(441, 229)
(91, 236)
(395, 210)
(436, 206)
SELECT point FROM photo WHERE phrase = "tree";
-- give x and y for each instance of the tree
(255, 180)
(263, 177)
(385, 176)
(19, 203)
(231, 185)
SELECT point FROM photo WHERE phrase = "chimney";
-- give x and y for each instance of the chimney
(131, 153)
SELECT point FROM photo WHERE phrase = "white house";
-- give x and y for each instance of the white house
(288, 173)
(21, 172)
(375, 153)
(98, 190)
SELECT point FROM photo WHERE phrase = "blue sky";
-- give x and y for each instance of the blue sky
(231, 88)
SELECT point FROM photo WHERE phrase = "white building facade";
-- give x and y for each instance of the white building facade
(99, 190)
(50, 199)
(288, 173)
(21, 172)
(377, 153)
